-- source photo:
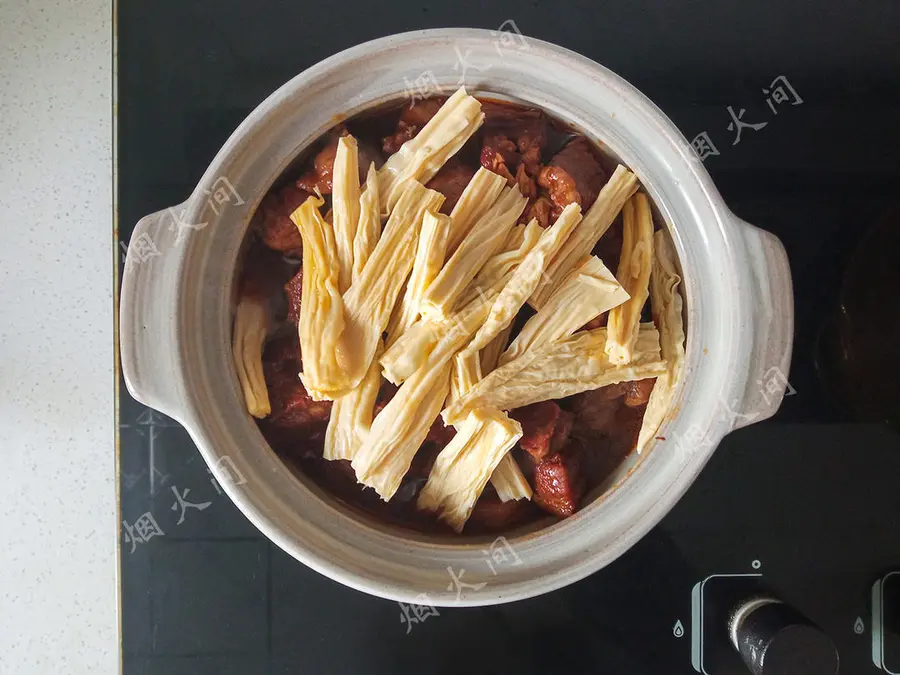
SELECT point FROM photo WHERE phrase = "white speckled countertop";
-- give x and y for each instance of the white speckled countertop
(58, 557)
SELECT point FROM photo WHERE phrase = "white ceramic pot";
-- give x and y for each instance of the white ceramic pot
(177, 302)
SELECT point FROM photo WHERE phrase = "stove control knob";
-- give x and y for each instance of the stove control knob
(775, 639)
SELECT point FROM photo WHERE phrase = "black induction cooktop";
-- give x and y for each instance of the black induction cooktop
(803, 508)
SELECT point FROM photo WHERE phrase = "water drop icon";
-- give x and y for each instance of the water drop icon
(859, 626)
(678, 630)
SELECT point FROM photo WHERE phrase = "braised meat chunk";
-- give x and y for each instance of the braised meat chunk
(559, 481)
(491, 515)
(498, 114)
(624, 433)
(412, 119)
(293, 289)
(545, 428)
(638, 392)
(273, 219)
(540, 208)
(320, 179)
(498, 154)
(525, 182)
(609, 248)
(595, 410)
(513, 140)
(573, 175)
(526, 127)
(292, 406)
(450, 181)
(282, 353)
(605, 454)
(263, 273)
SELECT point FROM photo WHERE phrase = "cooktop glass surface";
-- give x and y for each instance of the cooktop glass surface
(793, 108)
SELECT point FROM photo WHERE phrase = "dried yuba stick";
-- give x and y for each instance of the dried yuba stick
(429, 259)
(486, 236)
(557, 370)
(526, 277)
(251, 326)
(321, 323)
(479, 195)
(666, 303)
(634, 275)
(621, 185)
(345, 206)
(590, 290)
(369, 228)
(422, 156)
(371, 298)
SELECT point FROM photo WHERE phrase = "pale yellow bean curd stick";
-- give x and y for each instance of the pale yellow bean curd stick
(634, 275)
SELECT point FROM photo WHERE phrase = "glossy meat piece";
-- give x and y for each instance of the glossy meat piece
(530, 142)
(420, 112)
(545, 428)
(292, 406)
(526, 127)
(274, 222)
(450, 181)
(491, 515)
(503, 115)
(609, 248)
(340, 471)
(604, 455)
(412, 119)
(596, 410)
(530, 149)
(498, 154)
(263, 272)
(637, 393)
(293, 291)
(560, 186)
(525, 182)
(320, 179)
(282, 353)
(623, 435)
(541, 209)
(573, 175)
(559, 481)
(392, 144)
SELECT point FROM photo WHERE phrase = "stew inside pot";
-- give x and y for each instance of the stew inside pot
(458, 314)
